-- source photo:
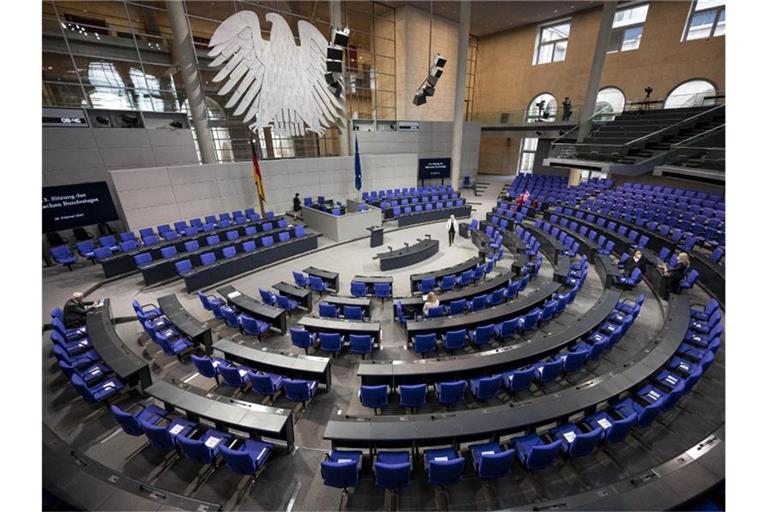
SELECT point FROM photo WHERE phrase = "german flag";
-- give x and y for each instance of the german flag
(257, 175)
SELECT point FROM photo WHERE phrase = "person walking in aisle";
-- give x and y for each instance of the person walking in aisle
(452, 227)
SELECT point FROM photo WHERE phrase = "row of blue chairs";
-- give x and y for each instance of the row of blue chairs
(81, 363)
(460, 280)
(262, 383)
(331, 342)
(397, 211)
(161, 330)
(405, 192)
(197, 224)
(185, 266)
(234, 318)
(328, 310)
(415, 200)
(197, 442)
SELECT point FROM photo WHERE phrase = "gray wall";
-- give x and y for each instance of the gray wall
(432, 140)
(159, 195)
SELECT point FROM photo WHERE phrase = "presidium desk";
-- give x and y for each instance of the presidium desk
(409, 255)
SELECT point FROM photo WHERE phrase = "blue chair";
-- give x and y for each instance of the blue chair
(246, 456)
(252, 326)
(303, 339)
(353, 312)
(207, 366)
(427, 284)
(392, 470)
(547, 371)
(233, 376)
(535, 453)
(425, 343)
(265, 383)
(412, 395)
(382, 290)
(63, 256)
(298, 390)
(360, 344)
(613, 429)
(90, 373)
(576, 442)
(267, 297)
(520, 379)
(205, 448)
(231, 317)
(444, 466)
(448, 283)
(130, 422)
(98, 392)
(86, 249)
(575, 359)
(316, 284)
(436, 311)
(342, 468)
(207, 258)
(287, 304)
(455, 340)
(490, 460)
(484, 388)
(331, 342)
(183, 267)
(328, 310)
(163, 437)
(456, 307)
(482, 335)
(631, 281)
(358, 289)
(506, 329)
(450, 393)
(478, 302)
(267, 241)
(645, 413)
(375, 397)
(300, 279)
(145, 258)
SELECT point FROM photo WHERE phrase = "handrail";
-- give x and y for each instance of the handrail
(697, 136)
(597, 113)
(677, 124)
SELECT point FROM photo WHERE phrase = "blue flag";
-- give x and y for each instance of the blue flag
(358, 168)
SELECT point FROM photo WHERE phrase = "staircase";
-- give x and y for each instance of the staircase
(634, 141)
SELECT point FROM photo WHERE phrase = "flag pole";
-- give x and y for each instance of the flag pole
(257, 176)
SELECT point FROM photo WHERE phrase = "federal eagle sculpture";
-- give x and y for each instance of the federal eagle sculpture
(275, 82)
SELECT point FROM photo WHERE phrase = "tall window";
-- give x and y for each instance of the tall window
(527, 154)
(543, 108)
(610, 102)
(628, 26)
(707, 19)
(552, 43)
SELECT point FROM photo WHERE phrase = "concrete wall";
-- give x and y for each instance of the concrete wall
(414, 59)
(432, 140)
(158, 195)
(342, 227)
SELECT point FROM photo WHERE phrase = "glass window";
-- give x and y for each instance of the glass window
(552, 43)
(628, 26)
(527, 155)
(694, 93)
(610, 102)
(707, 19)
(543, 108)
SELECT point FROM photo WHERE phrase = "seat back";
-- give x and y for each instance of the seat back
(231, 375)
(300, 279)
(374, 397)
(330, 341)
(392, 476)
(353, 312)
(495, 465)
(267, 296)
(488, 387)
(382, 289)
(360, 344)
(207, 258)
(520, 380)
(159, 437)
(328, 311)
(413, 395)
(238, 460)
(543, 455)
(127, 422)
(262, 383)
(301, 338)
(584, 443)
(296, 390)
(339, 474)
(182, 266)
(455, 339)
(425, 343)
(551, 370)
(357, 289)
(457, 306)
(445, 472)
(575, 360)
(649, 413)
(451, 392)
(204, 365)
(195, 449)
(619, 429)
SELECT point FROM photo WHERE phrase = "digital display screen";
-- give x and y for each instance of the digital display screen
(81, 204)
(432, 168)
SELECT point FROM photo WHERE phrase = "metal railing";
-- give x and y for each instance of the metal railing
(523, 117)
(702, 151)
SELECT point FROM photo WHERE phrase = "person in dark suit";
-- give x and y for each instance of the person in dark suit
(296, 206)
(671, 276)
(75, 310)
(636, 261)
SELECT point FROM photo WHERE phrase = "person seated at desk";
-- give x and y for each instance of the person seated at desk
(75, 311)
(672, 276)
(431, 302)
(637, 261)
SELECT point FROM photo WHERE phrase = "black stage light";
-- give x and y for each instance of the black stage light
(333, 66)
(419, 98)
(429, 90)
(431, 80)
(440, 61)
(335, 53)
(341, 36)
(330, 79)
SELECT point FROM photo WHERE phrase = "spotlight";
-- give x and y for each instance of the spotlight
(333, 66)
(102, 120)
(330, 79)
(440, 61)
(436, 72)
(176, 124)
(427, 87)
(539, 133)
(419, 98)
(335, 53)
(341, 36)
(429, 90)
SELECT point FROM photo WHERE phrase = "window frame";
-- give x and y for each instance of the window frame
(553, 43)
(719, 12)
(623, 29)
(524, 152)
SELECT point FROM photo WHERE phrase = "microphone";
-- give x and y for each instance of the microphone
(390, 248)
(429, 237)
(406, 244)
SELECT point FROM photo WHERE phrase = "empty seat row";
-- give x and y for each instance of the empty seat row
(397, 211)
(332, 342)
(161, 330)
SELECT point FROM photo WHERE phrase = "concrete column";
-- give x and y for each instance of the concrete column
(574, 177)
(598, 59)
(458, 105)
(344, 126)
(185, 50)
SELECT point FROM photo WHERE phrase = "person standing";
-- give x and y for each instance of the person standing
(296, 206)
(75, 311)
(452, 227)
(567, 109)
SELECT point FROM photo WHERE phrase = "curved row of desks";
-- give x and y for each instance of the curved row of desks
(410, 255)
(123, 263)
(224, 412)
(457, 269)
(129, 367)
(711, 275)
(419, 430)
